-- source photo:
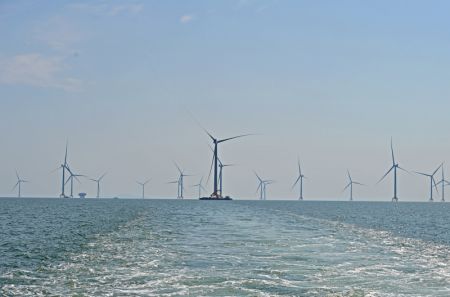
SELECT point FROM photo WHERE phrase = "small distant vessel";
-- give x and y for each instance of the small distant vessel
(82, 195)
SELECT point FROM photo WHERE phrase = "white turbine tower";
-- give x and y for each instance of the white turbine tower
(19, 184)
(432, 181)
(394, 166)
(143, 187)
(350, 185)
(443, 182)
(299, 181)
(98, 180)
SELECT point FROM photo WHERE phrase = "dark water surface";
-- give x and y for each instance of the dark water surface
(73, 247)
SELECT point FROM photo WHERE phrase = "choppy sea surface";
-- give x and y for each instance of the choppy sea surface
(103, 247)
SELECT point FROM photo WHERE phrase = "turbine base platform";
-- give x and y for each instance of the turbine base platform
(216, 198)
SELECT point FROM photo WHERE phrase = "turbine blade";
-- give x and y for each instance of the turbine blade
(259, 186)
(258, 176)
(226, 139)
(181, 172)
(65, 155)
(357, 183)
(296, 182)
(346, 187)
(15, 186)
(435, 186)
(210, 169)
(401, 168)
(437, 169)
(385, 174)
(392, 151)
(349, 177)
(101, 177)
(421, 173)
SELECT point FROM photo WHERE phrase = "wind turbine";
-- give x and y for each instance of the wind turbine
(98, 180)
(221, 166)
(395, 166)
(63, 167)
(216, 194)
(18, 184)
(70, 178)
(178, 186)
(180, 181)
(350, 184)
(265, 183)
(443, 183)
(299, 179)
(260, 187)
(143, 187)
(200, 187)
(432, 181)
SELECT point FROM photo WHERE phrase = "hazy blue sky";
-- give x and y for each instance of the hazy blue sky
(329, 81)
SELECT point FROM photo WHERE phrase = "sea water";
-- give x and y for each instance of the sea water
(125, 247)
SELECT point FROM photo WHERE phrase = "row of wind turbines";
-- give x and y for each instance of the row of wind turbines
(68, 176)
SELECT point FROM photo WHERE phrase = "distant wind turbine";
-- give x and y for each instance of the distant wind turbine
(98, 180)
(70, 178)
(350, 184)
(262, 186)
(395, 166)
(299, 179)
(443, 182)
(63, 167)
(143, 187)
(180, 181)
(265, 183)
(221, 166)
(200, 187)
(19, 184)
(432, 181)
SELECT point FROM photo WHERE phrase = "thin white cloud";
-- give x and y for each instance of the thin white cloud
(184, 19)
(109, 9)
(58, 33)
(38, 71)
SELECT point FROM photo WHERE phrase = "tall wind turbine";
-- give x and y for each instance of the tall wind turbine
(443, 182)
(143, 187)
(299, 179)
(216, 194)
(98, 180)
(70, 178)
(200, 187)
(18, 184)
(432, 181)
(350, 184)
(395, 166)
